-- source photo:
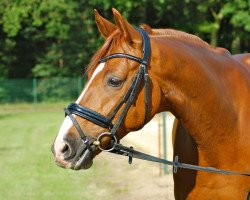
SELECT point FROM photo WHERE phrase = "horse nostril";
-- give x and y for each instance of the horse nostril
(66, 150)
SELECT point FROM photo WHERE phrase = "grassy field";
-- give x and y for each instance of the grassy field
(27, 169)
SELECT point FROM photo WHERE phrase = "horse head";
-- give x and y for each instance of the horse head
(115, 99)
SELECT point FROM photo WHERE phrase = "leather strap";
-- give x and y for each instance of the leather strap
(84, 138)
(90, 115)
(131, 153)
(120, 55)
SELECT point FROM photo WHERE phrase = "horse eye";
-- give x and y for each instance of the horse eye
(114, 82)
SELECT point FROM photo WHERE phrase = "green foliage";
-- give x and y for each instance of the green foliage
(57, 38)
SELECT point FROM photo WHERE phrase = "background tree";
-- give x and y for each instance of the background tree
(44, 38)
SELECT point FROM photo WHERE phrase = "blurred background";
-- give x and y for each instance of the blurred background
(44, 46)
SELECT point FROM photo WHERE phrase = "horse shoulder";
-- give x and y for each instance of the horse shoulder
(186, 149)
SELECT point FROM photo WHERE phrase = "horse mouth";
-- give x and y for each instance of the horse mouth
(84, 160)
(81, 159)
(84, 156)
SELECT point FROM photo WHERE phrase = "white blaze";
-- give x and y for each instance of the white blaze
(67, 123)
(97, 70)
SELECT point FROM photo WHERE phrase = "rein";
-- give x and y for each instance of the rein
(128, 99)
(131, 153)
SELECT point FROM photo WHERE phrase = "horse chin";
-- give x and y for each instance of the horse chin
(85, 161)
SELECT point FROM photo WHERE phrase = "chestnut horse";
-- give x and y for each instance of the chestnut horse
(185, 147)
(204, 87)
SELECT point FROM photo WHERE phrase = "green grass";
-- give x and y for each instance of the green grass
(27, 169)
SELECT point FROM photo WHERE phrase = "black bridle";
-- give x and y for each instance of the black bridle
(128, 99)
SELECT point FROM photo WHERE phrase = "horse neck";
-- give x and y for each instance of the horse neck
(194, 80)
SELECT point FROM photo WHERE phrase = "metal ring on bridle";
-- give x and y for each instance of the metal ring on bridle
(115, 141)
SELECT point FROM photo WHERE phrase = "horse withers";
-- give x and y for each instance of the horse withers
(206, 88)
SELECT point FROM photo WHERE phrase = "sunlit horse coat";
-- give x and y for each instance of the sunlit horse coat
(206, 88)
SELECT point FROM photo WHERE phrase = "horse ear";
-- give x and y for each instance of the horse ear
(129, 32)
(105, 27)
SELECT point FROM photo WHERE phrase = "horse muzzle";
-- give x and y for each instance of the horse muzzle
(73, 154)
